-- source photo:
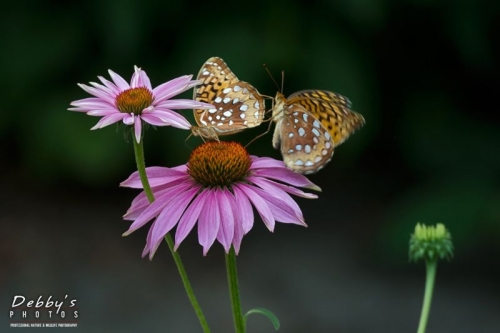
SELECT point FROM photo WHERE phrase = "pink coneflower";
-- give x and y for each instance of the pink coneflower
(120, 101)
(217, 188)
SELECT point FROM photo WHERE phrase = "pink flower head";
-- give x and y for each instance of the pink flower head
(130, 103)
(217, 189)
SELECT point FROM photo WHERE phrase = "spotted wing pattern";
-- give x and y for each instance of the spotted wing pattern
(309, 125)
(332, 109)
(237, 104)
(306, 145)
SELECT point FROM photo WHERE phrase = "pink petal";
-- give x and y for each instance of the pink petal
(286, 188)
(129, 119)
(166, 118)
(183, 104)
(91, 103)
(157, 206)
(156, 176)
(101, 113)
(140, 79)
(119, 81)
(287, 176)
(102, 88)
(169, 217)
(244, 210)
(110, 85)
(276, 192)
(148, 240)
(137, 129)
(226, 228)
(141, 202)
(108, 120)
(171, 88)
(282, 210)
(208, 222)
(265, 162)
(104, 95)
(260, 204)
(189, 218)
(238, 225)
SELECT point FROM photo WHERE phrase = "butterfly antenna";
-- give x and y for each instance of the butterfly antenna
(269, 72)
(282, 80)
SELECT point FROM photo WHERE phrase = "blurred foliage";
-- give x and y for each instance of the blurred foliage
(421, 72)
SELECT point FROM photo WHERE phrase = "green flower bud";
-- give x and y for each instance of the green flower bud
(430, 243)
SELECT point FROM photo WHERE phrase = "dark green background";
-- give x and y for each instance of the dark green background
(423, 73)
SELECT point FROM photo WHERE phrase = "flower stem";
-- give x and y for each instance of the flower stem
(232, 279)
(141, 168)
(431, 266)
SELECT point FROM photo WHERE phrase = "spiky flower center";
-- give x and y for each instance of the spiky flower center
(219, 164)
(134, 100)
(430, 243)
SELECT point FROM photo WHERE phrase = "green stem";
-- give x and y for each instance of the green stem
(141, 168)
(232, 279)
(431, 267)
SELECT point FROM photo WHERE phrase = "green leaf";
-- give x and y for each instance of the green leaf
(271, 316)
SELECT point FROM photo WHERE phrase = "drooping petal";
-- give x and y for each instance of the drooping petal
(287, 176)
(238, 224)
(148, 240)
(276, 192)
(260, 204)
(245, 210)
(169, 217)
(287, 188)
(141, 202)
(156, 207)
(156, 176)
(137, 129)
(283, 211)
(189, 218)
(208, 222)
(108, 120)
(226, 228)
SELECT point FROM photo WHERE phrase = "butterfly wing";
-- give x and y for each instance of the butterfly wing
(332, 109)
(306, 145)
(237, 104)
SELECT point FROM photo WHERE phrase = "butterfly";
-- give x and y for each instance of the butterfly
(309, 125)
(237, 104)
